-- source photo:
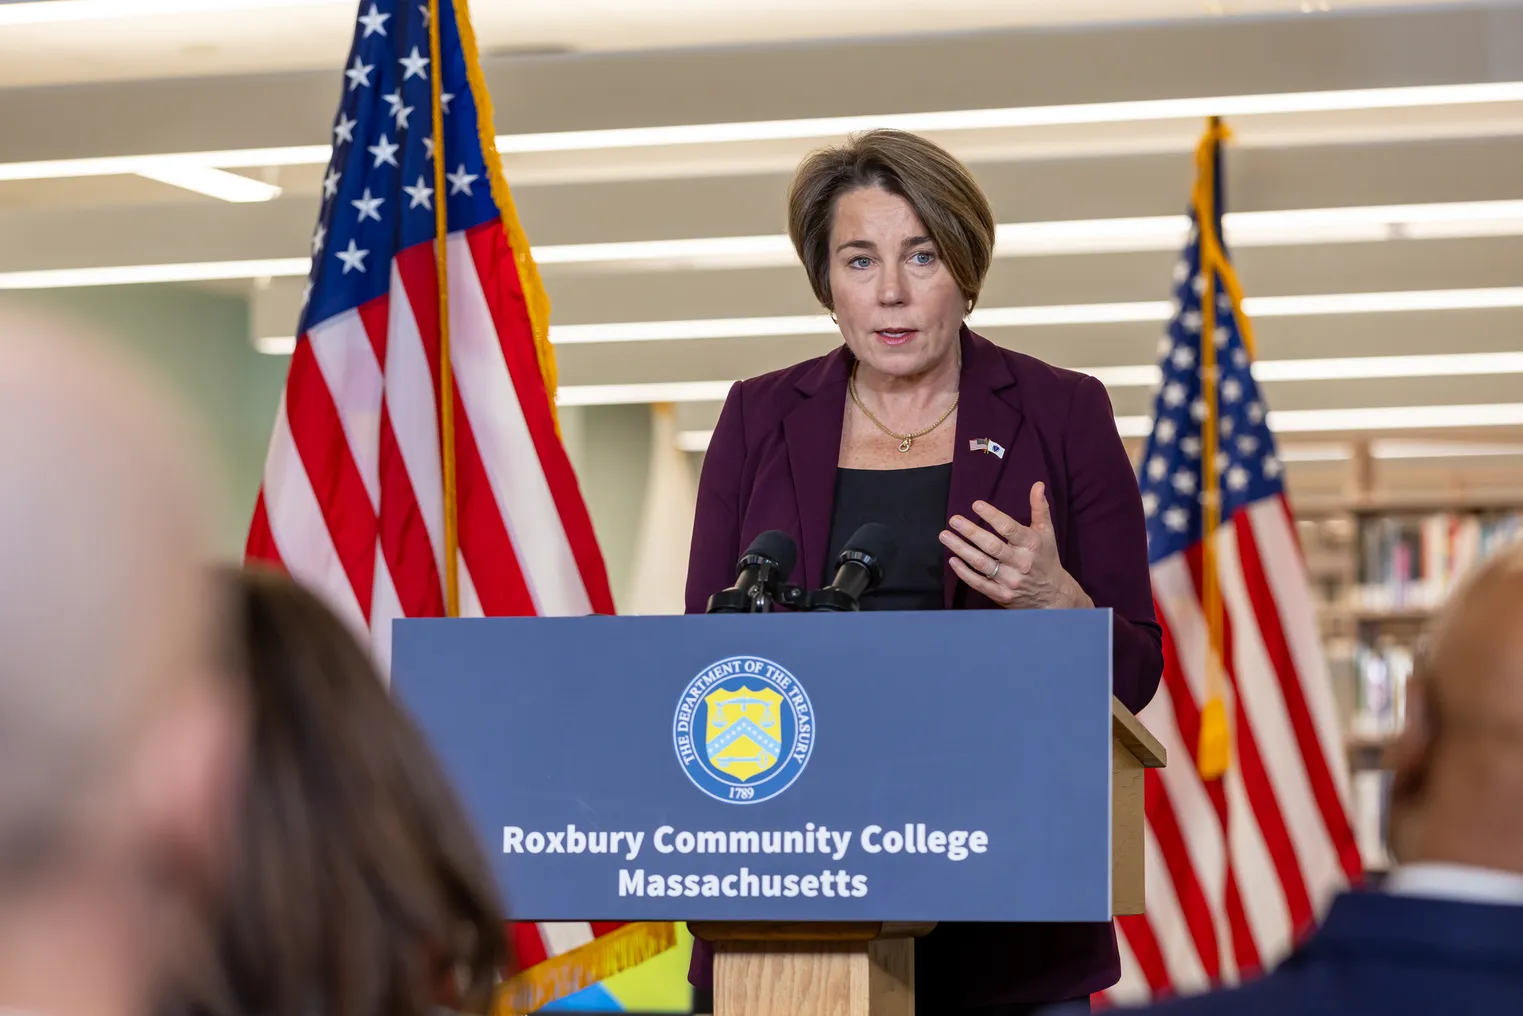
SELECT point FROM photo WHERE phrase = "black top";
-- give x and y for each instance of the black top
(912, 503)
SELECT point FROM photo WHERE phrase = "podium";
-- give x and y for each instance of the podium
(808, 792)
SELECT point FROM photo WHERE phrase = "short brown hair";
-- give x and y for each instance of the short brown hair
(361, 889)
(937, 186)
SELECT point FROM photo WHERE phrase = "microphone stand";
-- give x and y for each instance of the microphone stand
(755, 599)
(830, 600)
(792, 597)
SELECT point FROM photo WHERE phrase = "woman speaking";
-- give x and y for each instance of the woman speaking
(1002, 478)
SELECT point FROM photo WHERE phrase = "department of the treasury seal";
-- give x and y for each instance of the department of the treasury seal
(744, 730)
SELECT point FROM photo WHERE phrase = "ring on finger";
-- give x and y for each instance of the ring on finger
(995, 571)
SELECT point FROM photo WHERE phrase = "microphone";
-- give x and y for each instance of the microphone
(859, 569)
(760, 572)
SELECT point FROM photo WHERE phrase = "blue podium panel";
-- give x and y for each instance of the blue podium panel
(929, 766)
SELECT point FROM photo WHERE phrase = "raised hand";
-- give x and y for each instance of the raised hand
(1015, 566)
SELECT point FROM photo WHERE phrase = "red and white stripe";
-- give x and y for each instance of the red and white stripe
(352, 503)
(535, 943)
(1238, 869)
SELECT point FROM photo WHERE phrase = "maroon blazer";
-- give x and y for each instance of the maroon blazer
(771, 464)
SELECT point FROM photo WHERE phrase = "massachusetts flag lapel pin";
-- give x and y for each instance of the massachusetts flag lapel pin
(984, 444)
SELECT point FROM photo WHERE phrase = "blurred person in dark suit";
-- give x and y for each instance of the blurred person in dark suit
(360, 888)
(1444, 934)
(1003, 479)
(119, 738)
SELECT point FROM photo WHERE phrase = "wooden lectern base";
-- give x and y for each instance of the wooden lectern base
(845, 969)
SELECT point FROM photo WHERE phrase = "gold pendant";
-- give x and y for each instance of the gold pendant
(904, 445)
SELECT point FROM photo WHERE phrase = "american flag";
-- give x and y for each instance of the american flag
(371, 487)
(1243, 847)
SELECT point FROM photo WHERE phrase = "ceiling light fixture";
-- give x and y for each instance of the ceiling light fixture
(699, 252)
(1154, 311)
(1383, 303)
(1138, 111)
(124, 165)
(1021, 239)
(632, 394)
(1436, 220)
(1291, 421)
(62, 11)
(1350, 368)
(1132, 111)
(1330, 420)
(1353, 368)
(1361, 224)
(1316, 452)
(1398, 449)
(122, 275)
(1362, 368)
(214, 183)
(276, 345)
(693, 440)
(1337, 368)
(710, 328)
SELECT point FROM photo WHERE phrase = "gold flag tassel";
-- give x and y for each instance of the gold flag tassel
(584, 966)
(1214, 749)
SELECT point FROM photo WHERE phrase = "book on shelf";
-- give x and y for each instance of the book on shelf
(1371, 792)
(1381, 672)
(1413, 561)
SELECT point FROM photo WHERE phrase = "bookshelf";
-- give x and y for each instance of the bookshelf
(1382, 556)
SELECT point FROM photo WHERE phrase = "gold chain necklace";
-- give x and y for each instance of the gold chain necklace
(905, 440)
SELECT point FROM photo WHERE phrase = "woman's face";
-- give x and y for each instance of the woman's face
(898, 307)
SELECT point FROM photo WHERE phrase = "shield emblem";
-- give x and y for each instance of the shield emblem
(744, 731)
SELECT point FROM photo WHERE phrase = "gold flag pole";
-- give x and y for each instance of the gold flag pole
(446, 370)
(1214, 748)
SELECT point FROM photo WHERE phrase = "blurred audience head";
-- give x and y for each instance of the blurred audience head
(1457, 791)
(360, 889)
(119, 741)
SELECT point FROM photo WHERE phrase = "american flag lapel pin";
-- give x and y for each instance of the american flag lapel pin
(984, 444)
